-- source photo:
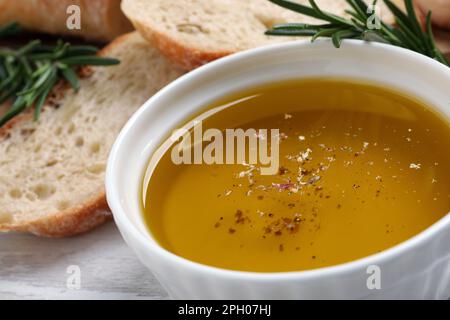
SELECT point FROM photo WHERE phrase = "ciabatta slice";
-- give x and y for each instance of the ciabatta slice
(52, 172)
(193, 32)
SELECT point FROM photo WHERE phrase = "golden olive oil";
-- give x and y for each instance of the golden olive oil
(362, 168)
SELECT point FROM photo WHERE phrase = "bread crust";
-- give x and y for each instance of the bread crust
(69, 222)
(101, 20)
(187, 58)
(77, 219)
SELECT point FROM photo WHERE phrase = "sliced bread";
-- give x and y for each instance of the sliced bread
(193, 32)
(52, 172)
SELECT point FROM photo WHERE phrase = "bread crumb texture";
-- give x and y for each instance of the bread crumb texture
(52, 171)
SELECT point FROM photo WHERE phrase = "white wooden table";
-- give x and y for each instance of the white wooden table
(36, 268)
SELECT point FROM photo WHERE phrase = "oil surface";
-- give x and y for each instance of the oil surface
(361, 170)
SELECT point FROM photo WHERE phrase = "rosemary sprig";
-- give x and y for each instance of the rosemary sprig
(407, 33)
(28, 74)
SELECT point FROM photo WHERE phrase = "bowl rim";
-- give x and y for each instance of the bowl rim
(122, 220)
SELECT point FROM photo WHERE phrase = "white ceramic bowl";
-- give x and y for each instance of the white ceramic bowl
(418, 268)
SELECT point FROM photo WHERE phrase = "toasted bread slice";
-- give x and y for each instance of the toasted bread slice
(100, 20)
(193, 32)
(52, 171)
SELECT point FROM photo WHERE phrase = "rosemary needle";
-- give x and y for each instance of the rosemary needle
(28, 74)
(408, 32)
